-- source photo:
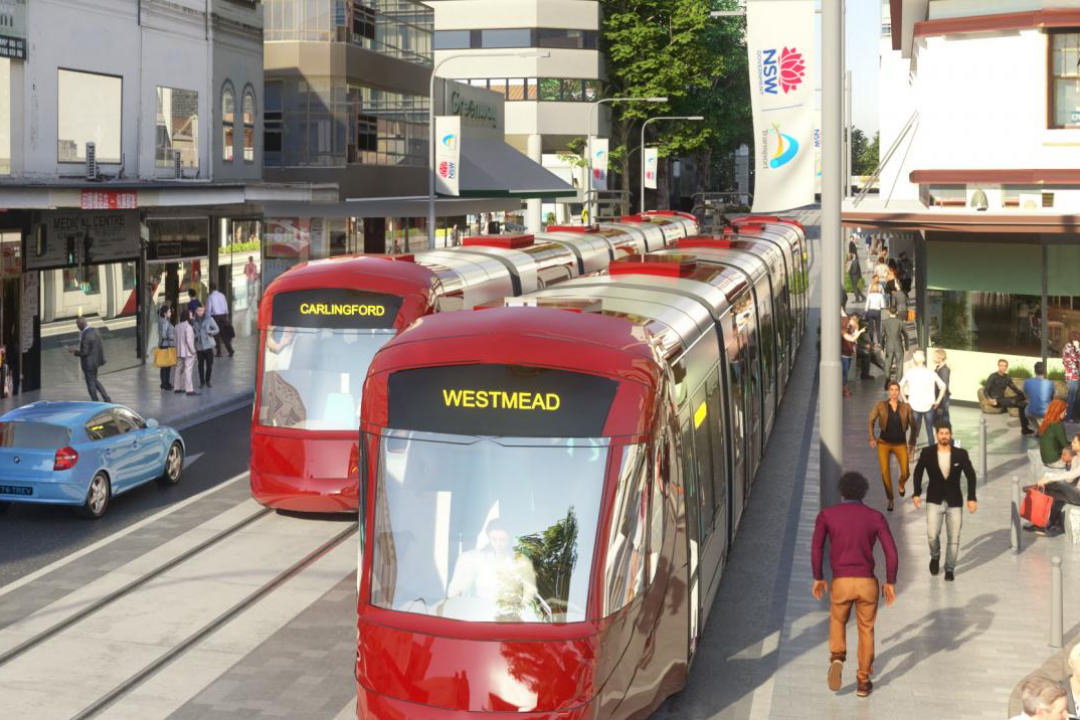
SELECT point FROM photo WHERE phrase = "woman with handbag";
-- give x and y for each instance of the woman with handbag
(185, 353)
(165, 353)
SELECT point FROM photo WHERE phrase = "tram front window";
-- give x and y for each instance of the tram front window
(486, 529)
(313, 378)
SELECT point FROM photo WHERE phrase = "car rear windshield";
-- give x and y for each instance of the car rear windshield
(33, 435)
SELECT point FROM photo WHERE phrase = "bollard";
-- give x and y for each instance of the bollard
(1056, 603)
(1014, 519)
(983, 450)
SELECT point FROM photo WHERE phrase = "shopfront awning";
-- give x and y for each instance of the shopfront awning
(491, 168)
(402, 207)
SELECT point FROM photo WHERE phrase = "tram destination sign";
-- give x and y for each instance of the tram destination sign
(502, 400)
(335, 308)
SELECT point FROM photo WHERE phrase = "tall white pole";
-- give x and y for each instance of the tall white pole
(589, 150)
(830, 399)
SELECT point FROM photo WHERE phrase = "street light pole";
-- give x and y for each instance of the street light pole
(832, 173)
(431, 124)
(588, 142)
(691, 118)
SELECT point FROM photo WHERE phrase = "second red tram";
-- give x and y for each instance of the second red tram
(321, 322)
(549, 494)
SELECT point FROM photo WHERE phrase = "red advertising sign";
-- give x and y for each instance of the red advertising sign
(109, 199)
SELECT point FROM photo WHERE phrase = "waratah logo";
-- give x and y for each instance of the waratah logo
(447, 170)
(781, 70)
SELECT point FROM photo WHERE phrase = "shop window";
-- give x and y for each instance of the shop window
(592, 90)
(228, 115)
(624, 572)
(452, 39)
(518, 38)
(515, 89)
(1065, 76)
(177, 127)
(530, 89)
(86, 280)
(497, 85)
(249, 124)
(363, 22)
(89, 109)
(572, 90)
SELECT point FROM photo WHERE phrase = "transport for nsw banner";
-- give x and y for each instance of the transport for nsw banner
(448, 154)
(780, 37)
(651, 156)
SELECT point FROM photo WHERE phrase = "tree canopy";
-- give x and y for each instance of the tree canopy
(673, 48)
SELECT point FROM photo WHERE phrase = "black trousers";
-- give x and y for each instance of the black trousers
(206, 365)
(225, 334)
(166, 378)
(94, 386)
(1008, 402)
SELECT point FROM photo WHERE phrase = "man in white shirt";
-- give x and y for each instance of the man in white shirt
(917, 388)
(218, 307)
(503, 580)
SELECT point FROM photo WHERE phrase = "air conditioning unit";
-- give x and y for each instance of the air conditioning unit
(178, 165)
(91, 161)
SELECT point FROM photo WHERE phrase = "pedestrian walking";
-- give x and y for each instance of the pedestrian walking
(855, 274)
(924, 390)
(848, 347)
(193, 300)
(206, 331)
(944, 464)
(91, 354)
(1070, 358)
(219, 311)
(185, 354)
(166, 339)
(875, 304)
(1042, 698)
(852, 530)
(941, 367)
(896, 436)
(997, 384)
(892, 338)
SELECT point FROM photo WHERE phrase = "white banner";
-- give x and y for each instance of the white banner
(448, 155)
(780, 42)
(651, 156)
(598, 151)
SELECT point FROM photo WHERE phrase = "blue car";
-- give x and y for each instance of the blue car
(82, 454)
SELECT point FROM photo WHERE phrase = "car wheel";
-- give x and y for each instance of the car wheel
(97, 496)
(174, 465)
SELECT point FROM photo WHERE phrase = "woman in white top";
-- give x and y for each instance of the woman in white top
(875, 303)
(185, 355)
(917, 387)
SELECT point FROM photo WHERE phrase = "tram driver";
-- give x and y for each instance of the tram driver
(498, 575)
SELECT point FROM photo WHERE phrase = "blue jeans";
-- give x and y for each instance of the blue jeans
(845, 366)
(1070, 412)
(954, 520)
(942, 411)
(927, 419)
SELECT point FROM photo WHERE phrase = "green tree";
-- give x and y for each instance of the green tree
(553, 553)
(673, 48)
(864, 156)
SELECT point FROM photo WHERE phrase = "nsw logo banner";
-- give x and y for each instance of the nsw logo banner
(780, 43)
(448, 155)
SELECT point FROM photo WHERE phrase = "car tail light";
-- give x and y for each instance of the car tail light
(66, 457)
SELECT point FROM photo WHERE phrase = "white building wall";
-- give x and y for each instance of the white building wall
(170, 49)
(477, 14)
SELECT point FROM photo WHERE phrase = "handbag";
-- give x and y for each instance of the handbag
(1036, 506)
(164, 357)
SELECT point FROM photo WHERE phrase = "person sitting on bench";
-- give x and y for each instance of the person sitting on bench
(997, 384)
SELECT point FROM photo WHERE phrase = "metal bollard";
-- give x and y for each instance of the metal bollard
(983, 450)
(1056, 603)
(1014, 519)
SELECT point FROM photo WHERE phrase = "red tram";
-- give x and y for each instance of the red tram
(549, 492)
(321, 322)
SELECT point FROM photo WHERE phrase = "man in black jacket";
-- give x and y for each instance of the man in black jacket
(944, 464)
(91, 356)
(892, 330)
(996, 385)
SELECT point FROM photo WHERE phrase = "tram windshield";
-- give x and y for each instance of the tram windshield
(312, 379)
(486, 529)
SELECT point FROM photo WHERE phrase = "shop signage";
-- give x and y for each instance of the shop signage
(288, 237)
(179, 238)
(780, 43)
(448, 155)
(13, 29)
(70, 238)
(481, 112)
(108, 199)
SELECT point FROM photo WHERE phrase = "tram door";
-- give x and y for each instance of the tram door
(738, 399)
(767, 334)
(746, 328)
(710, 461)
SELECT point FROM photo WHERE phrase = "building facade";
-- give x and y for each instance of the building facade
(549, 99)
(982, 105)
(131, 161)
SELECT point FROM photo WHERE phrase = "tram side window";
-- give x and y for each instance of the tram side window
(703, 459)
(736, 367)
(715, 422)
(624, 575)
(768, 332)
(661, 475)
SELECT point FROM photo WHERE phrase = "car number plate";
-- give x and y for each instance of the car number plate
(16, 490)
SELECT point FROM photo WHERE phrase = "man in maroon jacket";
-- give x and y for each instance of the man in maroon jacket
(852, 529)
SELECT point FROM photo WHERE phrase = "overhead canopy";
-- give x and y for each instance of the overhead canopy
(391, 207)
(491, 168)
